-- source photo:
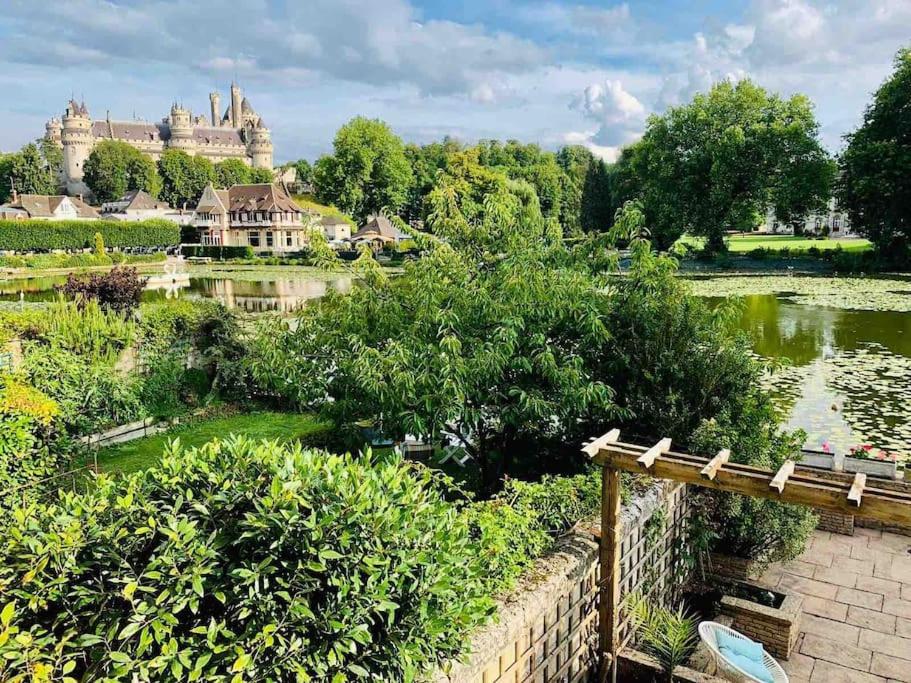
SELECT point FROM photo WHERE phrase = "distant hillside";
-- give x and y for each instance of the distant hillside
(306, 202)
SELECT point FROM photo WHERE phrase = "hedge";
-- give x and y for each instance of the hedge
(220, 253)
(37, 235)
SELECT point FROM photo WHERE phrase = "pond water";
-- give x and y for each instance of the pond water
(847, 379)
(253, 290)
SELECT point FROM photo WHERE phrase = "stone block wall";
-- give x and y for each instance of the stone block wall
(776, 628)
(836, 523)
(547, 627)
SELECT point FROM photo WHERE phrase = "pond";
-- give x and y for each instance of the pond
(250, 289)
(846, 377)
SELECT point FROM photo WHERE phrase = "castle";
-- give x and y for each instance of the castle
(238, 134)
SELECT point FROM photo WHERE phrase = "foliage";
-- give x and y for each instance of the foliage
(77, 260)
(715, 164)
(230, 172)
(874, 186)
(41, 235)
(668, 636)
(117, 290)
(588, 195)
(86, 330)
(239, 560)
(367, 171)
(115, 167)
(183, 177)
(304, 171)
(262, 175)
(218, 252)
(426, 162)
(26, 171)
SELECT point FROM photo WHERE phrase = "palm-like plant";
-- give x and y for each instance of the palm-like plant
(670, 636)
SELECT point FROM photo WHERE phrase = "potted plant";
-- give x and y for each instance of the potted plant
(873, 461)
(822, 459)
(670, 636)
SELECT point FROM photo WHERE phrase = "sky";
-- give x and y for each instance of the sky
(535, 70)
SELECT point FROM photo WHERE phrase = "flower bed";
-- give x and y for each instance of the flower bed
(873, 461)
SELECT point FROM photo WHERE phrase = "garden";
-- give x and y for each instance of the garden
(263, 538)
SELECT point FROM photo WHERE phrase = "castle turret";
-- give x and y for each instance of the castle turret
(215, 101)
(236, 120)
(260, 146)
(53, 131)
(181, 125)
(77, 140)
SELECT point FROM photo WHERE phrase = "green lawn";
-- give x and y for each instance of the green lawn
(135, 455)
(744, 243)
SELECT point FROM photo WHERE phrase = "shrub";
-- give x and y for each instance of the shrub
(88, 331)
(670, 636)
(243, 560)
(117, 290)
(43, 235)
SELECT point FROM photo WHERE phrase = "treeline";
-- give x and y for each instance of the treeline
(50, 235)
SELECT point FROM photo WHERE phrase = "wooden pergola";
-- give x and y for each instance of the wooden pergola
(841, 494)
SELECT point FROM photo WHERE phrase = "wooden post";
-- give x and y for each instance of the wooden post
(610, 572)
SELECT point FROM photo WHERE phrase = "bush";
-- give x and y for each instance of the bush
(117, 290)
(43, 235)
(220, 253)
(88, 331)
(243, 560)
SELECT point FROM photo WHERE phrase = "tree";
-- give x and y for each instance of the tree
(304, 171)
(716, 163)
(115, 167)
(27, 172)
(426, 162)
(261, 175)
(183, 178)
(875, 182)
(230, 172)
(366, 173)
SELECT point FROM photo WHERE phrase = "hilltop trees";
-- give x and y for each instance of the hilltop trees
(27, 171)
(367, 171)
(231, 172)
(715, 164)
(114, 168)
(875, 183)
(183, 177)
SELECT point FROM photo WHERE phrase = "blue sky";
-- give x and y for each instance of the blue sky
(537, 70)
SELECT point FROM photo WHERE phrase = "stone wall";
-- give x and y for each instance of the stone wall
(836, 523)
(547, 626)
(775, 627)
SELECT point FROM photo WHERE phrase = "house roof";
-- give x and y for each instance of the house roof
(332, 220)
(378, 227)
(131, 130)
(256, 197)
(140, 200)
(43, 205)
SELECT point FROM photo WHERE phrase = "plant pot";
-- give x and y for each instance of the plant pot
(732, 567)
(884, 469)
(776, 628)
(817, 459)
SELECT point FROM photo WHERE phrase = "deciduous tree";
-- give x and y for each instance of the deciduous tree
(114, 168)
(183, 178)
(27, 172)
(230, 172)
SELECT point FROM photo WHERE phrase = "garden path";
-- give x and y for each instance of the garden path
(856, 624)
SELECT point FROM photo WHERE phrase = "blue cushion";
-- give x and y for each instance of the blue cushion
(755, 669)
(741, 646)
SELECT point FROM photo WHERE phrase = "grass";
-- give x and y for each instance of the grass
(739, 244)
(307, 202)
(138, 454)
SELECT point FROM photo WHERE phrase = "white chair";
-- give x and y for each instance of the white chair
(708, 631)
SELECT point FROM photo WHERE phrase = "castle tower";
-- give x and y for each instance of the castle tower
(236, 121)
(181, 125)
(260, 146)
(53, 131)
(77, 140)
(215, 101)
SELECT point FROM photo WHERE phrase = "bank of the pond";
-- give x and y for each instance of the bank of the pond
(141, 453)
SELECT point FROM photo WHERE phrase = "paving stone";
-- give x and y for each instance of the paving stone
(901, 608)
(836, 575)
(870, 619)
(861, 567)
(809, 586)
(901, 568)
(869, 533)
(903, 627)
(816, 557)
(873, 584)
(824, 672)
(895, 646)
(822, 648)
(828, 628)
(799, 568)
(906, 591)
(798, 666)
(894, 542)
(893, 668)
(851, 596)
(835, 545)
(825, 608)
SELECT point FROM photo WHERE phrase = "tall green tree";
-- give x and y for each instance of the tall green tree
(183, 177)
(27, 172)
(367, 172)
(716, 163)
(304, 170)
(875, 182)
(588, 198)
(426, 162)
(262, 175)
(114, 168)
(230, 172)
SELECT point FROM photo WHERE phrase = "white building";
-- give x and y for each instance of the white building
(834, 222)
(47, 207)
(335, 229)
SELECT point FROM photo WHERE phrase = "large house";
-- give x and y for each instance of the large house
(47, 207)
(335, 228)
(833, 222)
(239, 133)
(135, 205)
(261, 216)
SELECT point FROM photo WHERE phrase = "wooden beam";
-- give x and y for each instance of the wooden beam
(610, 572)
(591, 449)
(710, 470)
(857, 488)
(824, 493)
(781, 476)
(647, 459)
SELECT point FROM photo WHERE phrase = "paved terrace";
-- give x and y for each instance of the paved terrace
(856, 624)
